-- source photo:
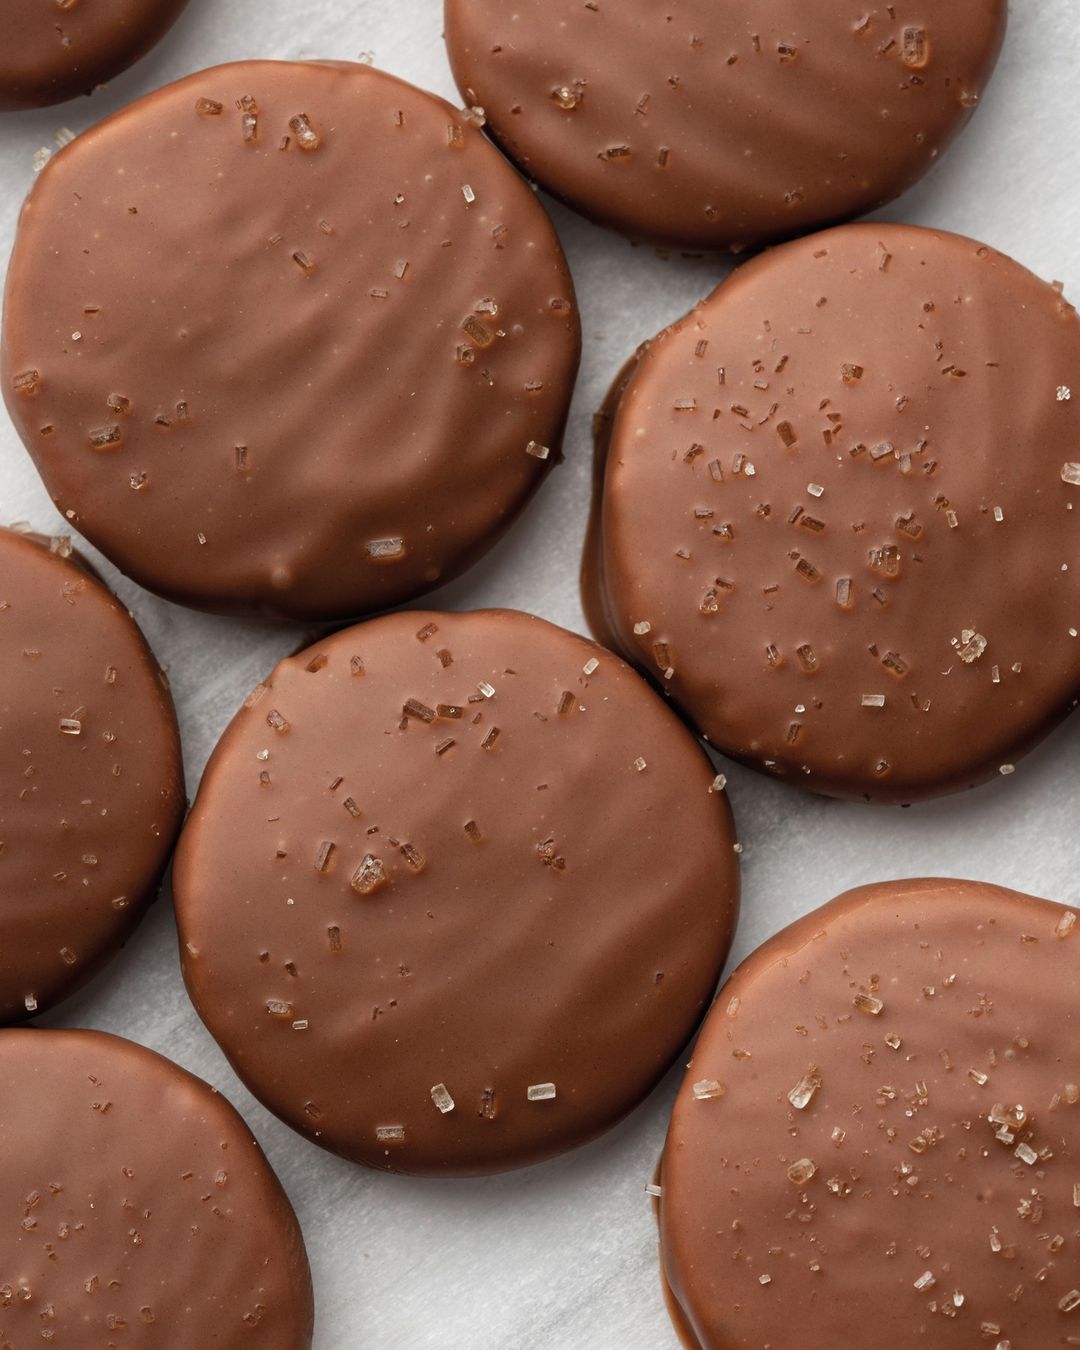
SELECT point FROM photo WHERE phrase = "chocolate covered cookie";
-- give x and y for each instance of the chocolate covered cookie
(706, 125)
(289, 338)
(52, 50)
(138, 1209)
(455, 891)
(878, 1139)
(91, 781)
(838, 520)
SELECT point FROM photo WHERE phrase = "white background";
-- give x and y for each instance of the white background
(564, 1255)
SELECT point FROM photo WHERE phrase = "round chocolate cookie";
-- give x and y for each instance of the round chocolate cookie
(289, 338)
(878, 1139)
(708, 125)
(838, 522)
(91, 780)
(52, 50)
(138, 1209)
(455, 891)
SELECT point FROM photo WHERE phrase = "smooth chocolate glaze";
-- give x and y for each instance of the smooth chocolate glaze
(839, 517)
(878, 1139)
(455, 891)
(91, 779)
(703, 124)
(54, 50)
(288, 337)
(137, 1208)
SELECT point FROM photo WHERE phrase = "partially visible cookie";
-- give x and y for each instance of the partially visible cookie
(54, 50)
(721, 124)
(877, 1141)
(91, 779)
(137, 1208)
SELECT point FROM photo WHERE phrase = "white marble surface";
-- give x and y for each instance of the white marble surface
(564, 1255)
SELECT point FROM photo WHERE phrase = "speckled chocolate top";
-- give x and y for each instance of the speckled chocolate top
(840, 522)
(91, 782)
(455, 891)
(878, 1140)
(136, 1210)
(290, 338)
(702, 124)
(52, 50)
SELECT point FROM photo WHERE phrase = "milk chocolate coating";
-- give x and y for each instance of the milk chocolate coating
(460, 854)
(306, 356)
(91, 780)
(838, 515)
(53, 50)
(137, 1208)
(709, 125)
(894, 1161)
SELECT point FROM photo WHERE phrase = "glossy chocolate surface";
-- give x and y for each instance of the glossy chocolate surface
(720, 124)
(289, 338)
(840, 513)
(878, 1140)
(455, 891)
(91, 780)
(137, 1208)
(54, 50)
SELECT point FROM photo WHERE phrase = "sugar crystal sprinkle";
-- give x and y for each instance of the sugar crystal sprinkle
(541, 1092)
(1065, 924)
(868, 1003)
(799, 1173)
(708, 1090)
(307, 138)
(386, 550)
(369, 876)
(390, 1134)
(442, 1098)
(970, 646)
(1070, 473)
(104, 438)
(537, 450)
(802, 1094)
